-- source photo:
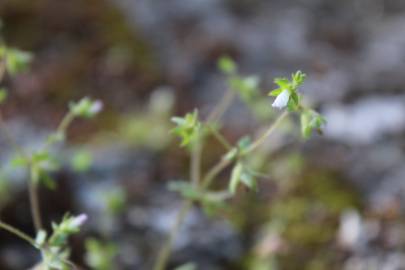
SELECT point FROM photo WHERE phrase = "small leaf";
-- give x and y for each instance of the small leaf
(235, 177)
(249, 180)
(86, 107)
(18, 161)
(56, 137)
(17, 60)
(82, 161)
(186, 189)
(247, 87)
(40, 238)
(47, 180)
(310, 121)
(232, 154)
(227, 65)
(283, 83)
(188, 128)
(244, 143)
(276, 92)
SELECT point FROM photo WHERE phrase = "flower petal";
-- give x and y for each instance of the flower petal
(282, 99)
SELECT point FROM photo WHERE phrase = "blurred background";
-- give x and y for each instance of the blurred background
(333, 202)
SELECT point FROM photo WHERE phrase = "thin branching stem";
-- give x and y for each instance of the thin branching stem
(214, 171)
(32, 186)
(17, 233)
(213, 118)
(165, 251)
(220, 138)
(61, 130)
(221, 107)
(267, 133)
(12, 141)
(34, 204)
(195, 166)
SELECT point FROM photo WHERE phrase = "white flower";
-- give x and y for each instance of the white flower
(282, 99)
(96, 107)
(78, 220)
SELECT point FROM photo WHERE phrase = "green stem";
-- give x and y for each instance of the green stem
(195, 166)
(214, 116)
(17, 233)
(214, 171)
(221, 107)
(61, 130)
(32, 186)
(165, 251)
(220, 138)
(12, 141)
(266, 134)
(34, 204)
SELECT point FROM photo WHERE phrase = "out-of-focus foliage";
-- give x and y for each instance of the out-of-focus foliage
(149, 126)
(100, 256)
(16, 61)
(81, 161)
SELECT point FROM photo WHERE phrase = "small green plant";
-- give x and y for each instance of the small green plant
(39, 165)
(194, 131)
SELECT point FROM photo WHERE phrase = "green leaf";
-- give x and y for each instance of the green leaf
(16, 60)
(235, 177)
(298, 79)
(47, 181)
(249, 180)
(82, 161)
(100, 256)
(186, 189)
(283, 83)
(115, 200)
(56, 137)
(188, 128)
(292, 86)
(232, 154)
(86, 107)
(292, 105)
(247, 87)
(227, 65)
(244, 143)
(310, 121)
(276, 92)
(40, 238)
(18, 161)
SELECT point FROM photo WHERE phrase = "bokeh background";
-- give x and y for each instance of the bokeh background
(333, 202)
